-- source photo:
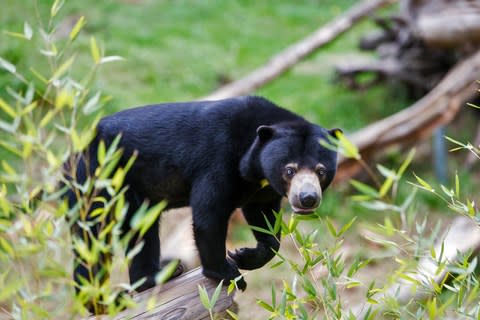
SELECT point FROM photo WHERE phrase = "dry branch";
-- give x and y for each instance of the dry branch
(291, 55)
(437, 108)
(178, 299)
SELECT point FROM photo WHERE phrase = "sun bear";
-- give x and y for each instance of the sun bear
(214, 156)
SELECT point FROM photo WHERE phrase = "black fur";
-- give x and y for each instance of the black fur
(208, 155)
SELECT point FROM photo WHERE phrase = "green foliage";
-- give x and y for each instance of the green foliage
(209, 303)
(405, 236)
(46, 116)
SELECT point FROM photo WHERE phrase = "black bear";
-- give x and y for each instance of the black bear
(213, 156)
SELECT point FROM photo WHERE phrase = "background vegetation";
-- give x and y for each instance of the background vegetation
(183, 50)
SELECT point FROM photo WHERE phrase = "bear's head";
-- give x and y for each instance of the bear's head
(294, 162)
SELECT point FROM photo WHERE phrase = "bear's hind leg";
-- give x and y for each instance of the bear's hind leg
(146, 263)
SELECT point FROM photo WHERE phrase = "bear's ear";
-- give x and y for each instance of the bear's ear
(264, 133)
(335, 131)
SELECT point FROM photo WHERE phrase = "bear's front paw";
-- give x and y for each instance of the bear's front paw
(251, 258)
(228, 272)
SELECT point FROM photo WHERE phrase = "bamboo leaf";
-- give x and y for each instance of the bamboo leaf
(330, 227)
(216, 294)
(347, 226)
(265, 306)
(351, 150)
(455, 141)
(27, 31)
(15, 34)
(166, 272)
(457, 185)
(406, 163)
(94, 50)
(7, 247)
(7, 108)
(202, 292)
(56, 6)
(46, 119)
(62, 69)
(8, 169)
(76, 29)
(39, 75)
(473, 105)
(10, 289)
(7, 65)
(92, 104)
(387, 173)
(364, 188)
(110, 59)
(64, 98)
(424, 184)
(143, 221)
(387, 184)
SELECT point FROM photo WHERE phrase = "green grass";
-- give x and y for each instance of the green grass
(178, 50)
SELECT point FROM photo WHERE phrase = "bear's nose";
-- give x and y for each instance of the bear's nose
(308, 199)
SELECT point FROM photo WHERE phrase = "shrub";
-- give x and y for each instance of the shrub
(404, 234)
(49, 114)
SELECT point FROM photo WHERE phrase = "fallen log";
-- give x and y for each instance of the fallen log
(417, 122)
(293, 54)
(445, 23)
(177, 299)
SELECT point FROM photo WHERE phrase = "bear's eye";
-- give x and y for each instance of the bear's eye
(321, 172)
(290, 171)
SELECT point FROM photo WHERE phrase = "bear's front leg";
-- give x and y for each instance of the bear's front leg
(257, 214)
(211, 211)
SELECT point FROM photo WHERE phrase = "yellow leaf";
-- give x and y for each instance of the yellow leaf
(7, 109)
(77, 145)
(56, 7)
(94, 50)
(76, 29)
(264, 183)
(15, 34)
(7, 247)
(39, 75)
(8, 169)
(62, 69)
(27, 150)
(29, 108)
(46, 119)
(351, 150)
(52, 159)
(27, 226)
(64, 98)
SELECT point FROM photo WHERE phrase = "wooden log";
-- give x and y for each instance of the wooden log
(417, 122)
(444, 23)
(462, 236)
(177, 299)
(293, 54)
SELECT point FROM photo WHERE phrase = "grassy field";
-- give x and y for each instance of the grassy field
(182, 50)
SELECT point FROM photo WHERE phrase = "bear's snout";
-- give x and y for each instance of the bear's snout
(305, 193)
(309, 199)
